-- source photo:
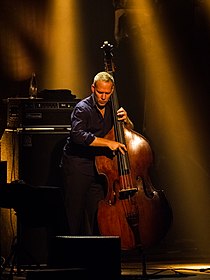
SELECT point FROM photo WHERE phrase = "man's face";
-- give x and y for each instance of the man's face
(102, 92)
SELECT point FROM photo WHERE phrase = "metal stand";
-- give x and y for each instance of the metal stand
(13, 260)
(146, 276)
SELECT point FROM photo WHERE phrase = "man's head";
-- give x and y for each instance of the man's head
(102, 87)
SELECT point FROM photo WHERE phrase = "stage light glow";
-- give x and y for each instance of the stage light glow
(65, 62)
(171, 121)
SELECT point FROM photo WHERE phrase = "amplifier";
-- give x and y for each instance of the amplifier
(25, 112)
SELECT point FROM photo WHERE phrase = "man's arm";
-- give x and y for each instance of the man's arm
(111, 144)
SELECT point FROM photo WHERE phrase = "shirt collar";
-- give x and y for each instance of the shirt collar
(93, 100)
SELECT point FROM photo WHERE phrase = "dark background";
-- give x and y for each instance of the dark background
(187, 26)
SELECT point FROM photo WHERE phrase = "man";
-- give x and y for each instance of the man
(91, 120)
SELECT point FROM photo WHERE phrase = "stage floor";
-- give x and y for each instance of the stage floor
(189, 264)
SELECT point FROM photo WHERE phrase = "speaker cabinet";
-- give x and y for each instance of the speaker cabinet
(40, 155)
(100, 256)
(34, 155)
(55, 274)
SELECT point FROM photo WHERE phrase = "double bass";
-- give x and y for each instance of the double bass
(132, 208)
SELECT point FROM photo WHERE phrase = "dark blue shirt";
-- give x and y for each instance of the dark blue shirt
(86, 124)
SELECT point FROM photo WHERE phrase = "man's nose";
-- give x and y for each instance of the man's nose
(103, 96)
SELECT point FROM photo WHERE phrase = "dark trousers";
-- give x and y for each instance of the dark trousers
(82, 192)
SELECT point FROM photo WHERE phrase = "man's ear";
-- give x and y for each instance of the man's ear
(92, 88)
